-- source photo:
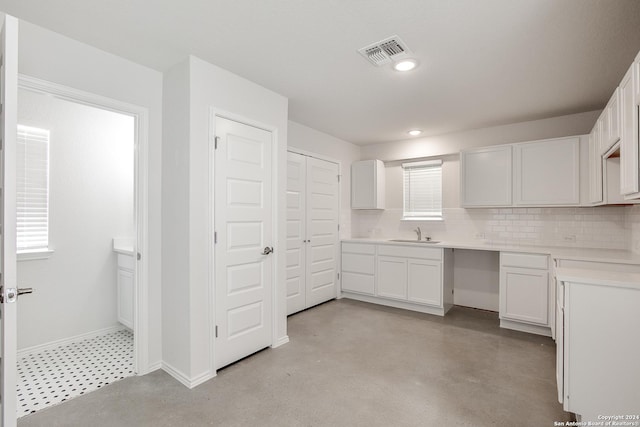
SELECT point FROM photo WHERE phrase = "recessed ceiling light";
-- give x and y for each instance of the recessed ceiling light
(414, 132)
(405, 65)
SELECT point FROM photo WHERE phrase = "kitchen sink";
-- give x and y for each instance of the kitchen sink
(414, 241)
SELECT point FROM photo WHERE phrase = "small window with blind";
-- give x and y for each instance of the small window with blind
(422, 185)
(32, 196)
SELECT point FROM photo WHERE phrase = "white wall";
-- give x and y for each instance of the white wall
(313, 141)
(90, 202)
(186, 159)
(58, 59)
(555, 127)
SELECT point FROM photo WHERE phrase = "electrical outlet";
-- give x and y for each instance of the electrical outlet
(569, 238)
(480, 236)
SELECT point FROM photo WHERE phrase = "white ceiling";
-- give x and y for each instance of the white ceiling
(483, 62)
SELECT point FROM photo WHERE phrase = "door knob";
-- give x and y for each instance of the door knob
(267, 250)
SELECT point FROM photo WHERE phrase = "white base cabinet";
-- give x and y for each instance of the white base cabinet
(413, 278)
(525, 297)
(126, 286)
(598, 348)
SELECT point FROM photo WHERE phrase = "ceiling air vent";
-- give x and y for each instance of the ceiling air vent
(384, 51)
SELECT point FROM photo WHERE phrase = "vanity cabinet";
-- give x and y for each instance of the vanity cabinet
(525, 298)
(547, 173)
(367, 184)
(126, 286)
(485, 177)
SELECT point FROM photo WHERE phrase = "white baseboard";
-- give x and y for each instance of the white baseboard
(154, 366)
(66, 341)
(525, 327)
(280, 341)
(184, 379)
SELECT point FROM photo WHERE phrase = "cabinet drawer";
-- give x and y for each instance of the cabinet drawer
(358, 248)
(410, 252)
(516, 259)
(358, 263)
(126, 262)
(356, 282)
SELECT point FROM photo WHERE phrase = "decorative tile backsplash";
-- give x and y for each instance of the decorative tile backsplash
(606, 227)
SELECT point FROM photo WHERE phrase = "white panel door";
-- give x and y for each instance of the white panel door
(323, 217)
(8, 307)
(244, 226)
(524, 295)
(296, 229)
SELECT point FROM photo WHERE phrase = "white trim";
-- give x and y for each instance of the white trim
(35, 255)
(213, 113)
(155, 366)
(141, 191)
(184, 379)
(311, 154)
(66, 341)
(281, 341)
(422, 163)
(406, 305)
(525, 327)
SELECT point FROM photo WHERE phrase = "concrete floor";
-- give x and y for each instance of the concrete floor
(350, 364)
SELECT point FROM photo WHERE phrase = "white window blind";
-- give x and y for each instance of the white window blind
(33, 189)
(422, 189)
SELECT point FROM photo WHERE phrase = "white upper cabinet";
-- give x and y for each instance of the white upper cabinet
(485, 177)
(610, 131)
(547, 172)
(629, 134)
(367, 184)
(595, 165)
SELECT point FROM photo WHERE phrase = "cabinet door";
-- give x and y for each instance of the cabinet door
(547, 172)
(358, 270)
(424, 284)
(595, 166)
(560, 344)
(613, 111)
(628, 135)
(485, 177)
(367, 184)
(125, 297)
(392, 277)
(524, 295)
(296, 238)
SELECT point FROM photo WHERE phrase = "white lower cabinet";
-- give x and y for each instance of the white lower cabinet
(524, 292)
(597, 365)
(358, 268)
(424, 282)
(410, 277)
(126, 285)
(392, 277)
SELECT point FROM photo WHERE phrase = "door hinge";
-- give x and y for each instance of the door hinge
(338, 178)
(215, 237)
(139, 256)
(215, 143)
(216, 331)
(338, 227)
(338, 275)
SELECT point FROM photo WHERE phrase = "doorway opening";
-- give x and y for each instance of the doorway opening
(80, 193)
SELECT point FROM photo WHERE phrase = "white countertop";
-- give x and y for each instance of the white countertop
(616, 256)
(123, 245)
(598, 277)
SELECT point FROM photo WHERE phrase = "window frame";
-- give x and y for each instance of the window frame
(407, 214)
(42, 251)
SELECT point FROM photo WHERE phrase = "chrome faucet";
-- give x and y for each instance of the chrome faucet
(419, 233)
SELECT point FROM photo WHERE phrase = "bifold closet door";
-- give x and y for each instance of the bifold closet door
(312, 231)
(322, 231)
(296, 229)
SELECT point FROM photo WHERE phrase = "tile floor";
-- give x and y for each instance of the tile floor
(54, 376)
